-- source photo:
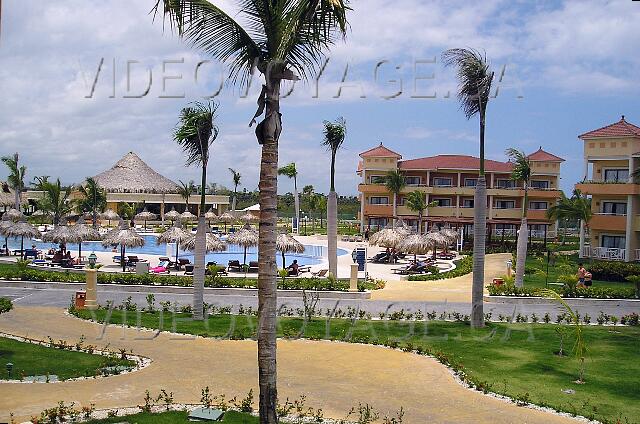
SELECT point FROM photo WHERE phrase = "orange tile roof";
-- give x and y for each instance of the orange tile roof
(455, 162)
(380, 151)
(541, 155)
(621, 128)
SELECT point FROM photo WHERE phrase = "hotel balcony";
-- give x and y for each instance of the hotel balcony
(378, 210)
(610, 189)
(511, 213)
(608, 222)
(636, 223)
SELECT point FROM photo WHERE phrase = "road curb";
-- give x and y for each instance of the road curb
(178, 290)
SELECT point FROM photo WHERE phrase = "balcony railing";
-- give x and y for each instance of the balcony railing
(605, 253)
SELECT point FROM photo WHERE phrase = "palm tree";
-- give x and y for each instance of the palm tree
(94, 199)
(560, 212)
(55, 199)
(635, 176)
(290, 171)
(186, 190)
(474, 79)
(334, 134)
(395, 182)
(280, 39)
(16, 176)
(313, 203)
(236, 182)
(195, 133)
(521, 171)
(417, 202)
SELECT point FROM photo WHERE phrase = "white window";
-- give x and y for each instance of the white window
(538, 205)
(443, 202)
(467, 203)
(378, 222)
(506, 183)
(376, 179)
(505, 204)
(614, 208)
(401, 200)
(543, 184)
(412, 181)
(616, 175)
(470, 182)
(442, 182)
(378, 200)
(615, 242)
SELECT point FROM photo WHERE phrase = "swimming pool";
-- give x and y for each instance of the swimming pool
(312, 254)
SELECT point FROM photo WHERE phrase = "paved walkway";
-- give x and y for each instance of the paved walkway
(451, 290)
(334, 376)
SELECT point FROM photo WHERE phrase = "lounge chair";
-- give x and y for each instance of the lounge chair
(188, 269)
(234, 265)
(380, 258)
(320, 273)
(162, 267)
(31, 253)
(182, 262)
(253, 266)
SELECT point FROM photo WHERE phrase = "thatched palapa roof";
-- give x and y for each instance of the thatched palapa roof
(132, 175)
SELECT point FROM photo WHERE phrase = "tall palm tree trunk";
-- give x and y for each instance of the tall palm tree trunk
(395, 207)
(296, 201)
(332, 232)
(267, 269)
(199, 266)
(479, 235)
(521, 255)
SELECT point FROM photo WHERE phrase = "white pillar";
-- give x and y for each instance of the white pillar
(457, 206)
(492, 186)
(459, 176)
(580, 254)
(362, 213)
(490, 202)
(585, 169)
(629, 231)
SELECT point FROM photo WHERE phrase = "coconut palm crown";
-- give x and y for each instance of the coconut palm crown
(521, 171)
(334, 135)
(16, 176)
(394, 182)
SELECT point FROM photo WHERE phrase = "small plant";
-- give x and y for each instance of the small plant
(246, 404)
(148, 402)
(5, 305)
(364, 414)
(151, 300)
(547, 318)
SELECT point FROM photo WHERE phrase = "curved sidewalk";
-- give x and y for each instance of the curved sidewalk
(333, 376)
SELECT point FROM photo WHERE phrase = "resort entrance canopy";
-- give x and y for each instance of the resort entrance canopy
(132, 180)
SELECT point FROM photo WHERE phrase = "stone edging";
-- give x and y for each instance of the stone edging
(577, 301)
(141, 361)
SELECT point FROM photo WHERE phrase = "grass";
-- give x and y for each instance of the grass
(536, 268)
(516, 360)
(29, 359)
(175, 417)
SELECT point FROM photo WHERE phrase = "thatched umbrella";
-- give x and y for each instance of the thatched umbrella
(62, 234)
(418, 244)
(285, 243)
(213, 243)
(245, 237)
(450, 234)
(132, 175)
(13, 215)
(226, 218)
(174, 234)
(173, 214)
(125, 236)
(22, 230)
(84, 233)
(248, 218)
(437, 238)
(4, 224)
(145, 215)
(388, 237)
(109, 215)
(210, 216)
(187, 216)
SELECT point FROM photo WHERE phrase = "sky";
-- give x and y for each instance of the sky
(565, 67)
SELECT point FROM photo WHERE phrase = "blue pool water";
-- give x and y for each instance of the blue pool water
(312, 254)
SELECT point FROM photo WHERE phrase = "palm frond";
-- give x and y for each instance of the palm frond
(210, 29)
(474, 76)
(334, 134)
(196, 131)
(394, 181)
(288, 170)
(521, 165)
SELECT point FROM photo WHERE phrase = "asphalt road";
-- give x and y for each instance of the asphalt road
(61, 297)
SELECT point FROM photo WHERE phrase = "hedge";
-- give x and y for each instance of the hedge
(5, 305)
(9, 272)
(463, 267)
(612, 271)
(565, 291)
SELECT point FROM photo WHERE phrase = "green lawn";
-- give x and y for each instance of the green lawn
(29, 359)
(536, 268)
(513, 359)
(175, 417)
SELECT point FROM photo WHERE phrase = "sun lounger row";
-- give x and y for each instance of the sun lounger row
(414, 268)
(356, 238)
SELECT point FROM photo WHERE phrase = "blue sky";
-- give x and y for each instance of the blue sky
(569, 68)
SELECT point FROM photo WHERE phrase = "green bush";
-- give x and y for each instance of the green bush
(5, 305)
(11, 272)
(463, 267)
(613, 271)
(565, 291)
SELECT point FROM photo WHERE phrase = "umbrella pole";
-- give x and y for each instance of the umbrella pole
(122, 257)
(22, 248)
(283, 264)
(177, 246)
(79, 251)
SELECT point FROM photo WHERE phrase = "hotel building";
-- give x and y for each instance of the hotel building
(611, 155)
(449, 180)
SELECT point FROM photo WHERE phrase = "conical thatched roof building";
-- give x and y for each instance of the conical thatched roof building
(132, 175)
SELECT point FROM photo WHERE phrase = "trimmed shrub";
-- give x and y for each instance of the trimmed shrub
(463, 266)
(613, 271)
(565, 291)
(5, 305)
